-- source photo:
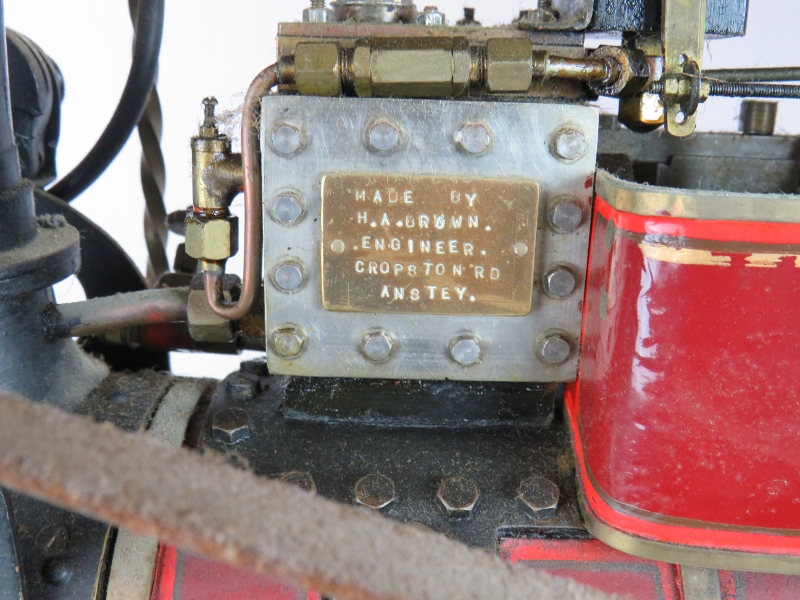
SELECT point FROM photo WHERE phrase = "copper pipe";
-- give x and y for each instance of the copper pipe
(110, 313)
(251, 174)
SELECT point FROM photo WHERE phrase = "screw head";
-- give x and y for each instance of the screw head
(458, 496)
(301, 479)
(288, 208)
(288, 276)
(383, 137)
(569, 144)
(465, 350)
(474, 138)
(287, 139)
(554, 349)
(288, 341)
(230, 425)
(538, 497)
(566, 215)
(375, 491)
(560, 282)
(377, 345)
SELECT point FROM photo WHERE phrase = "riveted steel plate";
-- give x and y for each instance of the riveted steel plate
(430, 245)
(336, 142)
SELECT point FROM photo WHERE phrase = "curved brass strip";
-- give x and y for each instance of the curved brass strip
(656, 201)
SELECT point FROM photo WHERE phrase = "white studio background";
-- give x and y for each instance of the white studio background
(216, 48)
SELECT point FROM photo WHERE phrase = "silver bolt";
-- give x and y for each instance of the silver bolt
(554, 349)
(230, 425)
(538, 497)
(458, 497)
(377, 345)
(287, 139)
(566, 215)
(465, 350)
(288, 341)
(431, 16)
(375, 491)
(569, 144)
(560, 282)
(337, 246)
(301, 479)
(473, 138)
(520, 249)
(318, 13)
(288, 208)
(383, 137)
(288, 276)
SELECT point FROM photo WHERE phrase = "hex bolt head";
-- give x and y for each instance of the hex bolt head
(288, 341)
(377, 345)
(375, 491)
(554, 349)
(538, 497)
(230, 425)
(458, 496)
(560, 282)
(465, 350)
(568, 144)
(287, 139)
(288, 276)
(302, 479)
(383, 137)
(566, 215)
(473, 138)
(255, 366)
(242, 386)
(287, 208)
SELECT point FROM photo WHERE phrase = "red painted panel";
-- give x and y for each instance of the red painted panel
(688, 400)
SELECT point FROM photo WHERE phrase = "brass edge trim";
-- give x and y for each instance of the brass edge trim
(656, 201)
(687, 555)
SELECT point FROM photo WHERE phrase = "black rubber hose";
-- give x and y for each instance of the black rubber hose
(149, 26)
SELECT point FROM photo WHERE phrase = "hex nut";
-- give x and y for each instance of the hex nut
(287, 139)
(211, 238)
(203, 323)
(554, 349)
(317, 69)
(568, 144)
(431, 17)
(288, 276)
(383, 136)
(375, 491)
(302, 479)
(288, 208)
(288, 341)
(465, 350)
(458, 496)
(560, 282)
(317, 15)
(538, 497)
(242, 386)
(473, 138)
(509, 64)
(378, 345)
(255, 366)
(566, 214)
(230, 425)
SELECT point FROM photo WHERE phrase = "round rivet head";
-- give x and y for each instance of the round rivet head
(465, 350)
(56, 571)
(473, 138)
(458, 496)
(560, 282)
(554, 349)
(301, 479)
(377, 345)
(288, 276)
(383, 137)
(375, 491)
(538, 497)
(288, 341)
(566, 215)
(287, 139)
(520, 248)
(568, 144)
(287, 208)
(337, 246)
(230, 425)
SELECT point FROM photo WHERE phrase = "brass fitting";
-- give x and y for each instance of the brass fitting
(211, 237)
(216, 172)
(509, 65)
(204, 325)
(317, 69)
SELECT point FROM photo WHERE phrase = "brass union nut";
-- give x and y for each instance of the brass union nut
(211, 238)
(317, 69)
(509, 64)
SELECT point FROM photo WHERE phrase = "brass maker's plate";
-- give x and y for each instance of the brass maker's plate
(429, 245)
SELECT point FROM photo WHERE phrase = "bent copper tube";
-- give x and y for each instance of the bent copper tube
(251, 174)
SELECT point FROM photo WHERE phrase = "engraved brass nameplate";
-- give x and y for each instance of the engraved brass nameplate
(432, 245)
